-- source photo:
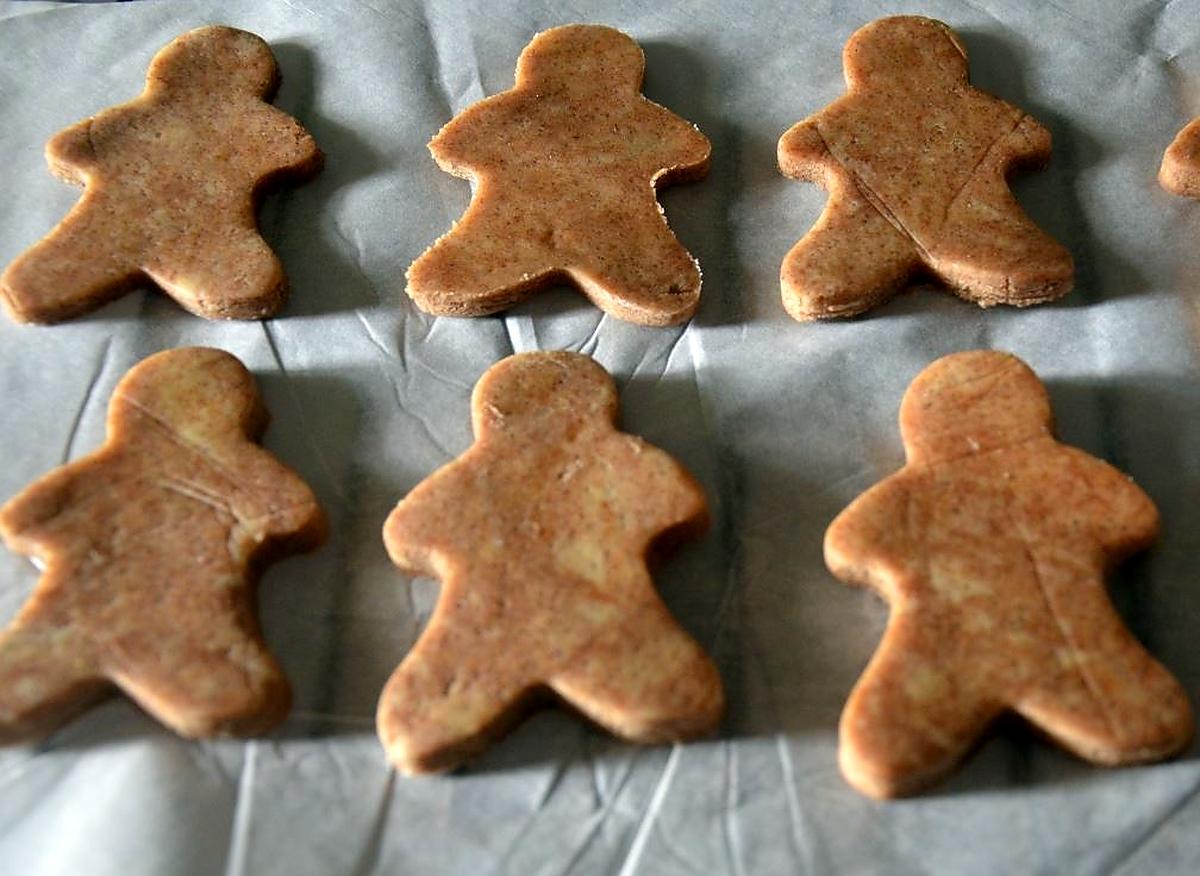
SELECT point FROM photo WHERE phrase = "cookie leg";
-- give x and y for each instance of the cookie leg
(1126, 709)
(239, 277)
(850, 261)
(46, 677)
(644, 679)
(907, 722)
(77, 267)
(990, 252)
(642, 274)
(487, 263)
(438, 708)
(210, 683)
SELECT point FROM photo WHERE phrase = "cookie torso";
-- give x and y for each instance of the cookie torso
(539, 535)
(914, 163)
(565, 166)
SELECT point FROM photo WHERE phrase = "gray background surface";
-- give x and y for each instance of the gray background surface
(783, 423)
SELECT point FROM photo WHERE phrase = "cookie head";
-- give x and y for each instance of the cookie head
(216, 59)
(542, 393)
(903, 50)
(203, 395)
(582, 57)
(970, 403)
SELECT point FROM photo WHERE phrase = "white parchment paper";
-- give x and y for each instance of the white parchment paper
(783, 423)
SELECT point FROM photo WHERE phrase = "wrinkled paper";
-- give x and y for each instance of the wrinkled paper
(783, 424)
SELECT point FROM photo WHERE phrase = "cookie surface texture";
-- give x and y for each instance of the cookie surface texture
(1180, 169)
(539, 534)
(990, 547)
(171, 181)
(150, 547)
(565, 167)
(915, 160)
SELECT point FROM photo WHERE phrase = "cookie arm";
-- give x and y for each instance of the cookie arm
(28, 516)
(664, 493)
(862, 540)
(1029, 143)
(419, 521)
(686, 151)
(293, 151)
(1123, 518)
(469, 138)
(280, 504)
(802, 152)
(70, 154)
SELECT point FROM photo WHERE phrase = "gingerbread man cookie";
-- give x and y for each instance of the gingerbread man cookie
(539, 534)
(171, 181)
(565, 167)
(1180, 170)
(914, 160)
(150, 547)
(991, 546)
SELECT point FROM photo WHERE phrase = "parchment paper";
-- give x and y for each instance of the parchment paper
(783, 423)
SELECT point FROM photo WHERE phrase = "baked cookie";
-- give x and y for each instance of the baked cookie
(539, 534)
(1180, 170)
(565, 166)
(914, 160)
(171, 181)
(150, 547)
(991, 546)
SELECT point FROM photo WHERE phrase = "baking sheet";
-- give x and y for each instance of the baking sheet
(783, 424)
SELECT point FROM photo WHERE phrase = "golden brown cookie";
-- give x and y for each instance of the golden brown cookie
(539, 534)
(1180, 170)
(990, 546)
(171, 183)
(150, 547)
(915, 162)
(565, 166)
